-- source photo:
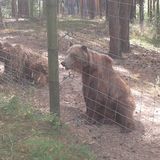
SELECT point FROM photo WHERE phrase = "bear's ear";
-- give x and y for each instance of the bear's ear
(70, 44)
(84, 48)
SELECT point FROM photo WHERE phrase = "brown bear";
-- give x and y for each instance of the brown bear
(106, 95)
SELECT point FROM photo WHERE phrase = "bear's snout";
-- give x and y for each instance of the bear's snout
(64, 65)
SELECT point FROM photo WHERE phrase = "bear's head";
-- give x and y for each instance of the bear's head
(81, 59)
(77, 58)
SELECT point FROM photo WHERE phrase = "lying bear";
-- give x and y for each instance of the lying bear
(106, 95)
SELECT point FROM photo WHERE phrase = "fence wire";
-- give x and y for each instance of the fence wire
(92, 109)
(103, 99)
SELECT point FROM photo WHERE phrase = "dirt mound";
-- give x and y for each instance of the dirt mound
(22, 64)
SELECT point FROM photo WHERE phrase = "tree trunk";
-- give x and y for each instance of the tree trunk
(114, 27)
(53, 56)
(150, 10)
(31, 4)
(157, 20)
(133, 11)
(141, 13)
(39, 7)
(106, 9)
(154, 7)
(96, 7)
(100, 8)
(1, 17)
(119, 18)
(23, 8)
(44, 9)
(81, 7)
(125, 9)
(15, 9)
(91, 9)
(158, 13)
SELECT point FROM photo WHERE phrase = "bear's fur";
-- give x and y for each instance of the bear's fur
(106, 94)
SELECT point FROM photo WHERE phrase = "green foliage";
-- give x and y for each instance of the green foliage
(49, 149)
(17, 108)
(146, 35)
(6, 8)
(28, 134)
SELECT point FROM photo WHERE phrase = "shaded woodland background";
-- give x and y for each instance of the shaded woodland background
(139, 14)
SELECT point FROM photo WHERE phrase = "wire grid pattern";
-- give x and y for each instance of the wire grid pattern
(108, 143)
(105, 140)
(145, 112)
(95, 83)
(147, 106)
(21, 71)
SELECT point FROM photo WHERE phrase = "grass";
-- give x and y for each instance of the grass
(145, 36)
(28, 134)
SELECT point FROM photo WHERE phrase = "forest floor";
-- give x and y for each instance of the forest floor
(140, 68)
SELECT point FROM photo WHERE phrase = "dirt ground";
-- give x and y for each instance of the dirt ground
(141, 70)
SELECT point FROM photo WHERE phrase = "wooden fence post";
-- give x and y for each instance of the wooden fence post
(51, 12)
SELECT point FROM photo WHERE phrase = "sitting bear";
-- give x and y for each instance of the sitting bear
(106, 95)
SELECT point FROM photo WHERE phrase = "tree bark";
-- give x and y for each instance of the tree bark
(157, 20)
(31, 8)
(23, 8)
(14, 8)
(141, 13)
(150, 10)
(81, 7)
(114, 27)
(125, 9)
(91, 9)
(133, 11)
(154, 7)
(106, 9)
(44, 9)
(53, 56)
(100, 8)
(119, 18)
(1, 17)
(157, 8)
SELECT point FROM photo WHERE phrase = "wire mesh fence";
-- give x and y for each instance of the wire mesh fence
(100, 97)
(21, 71)
(95, 95)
